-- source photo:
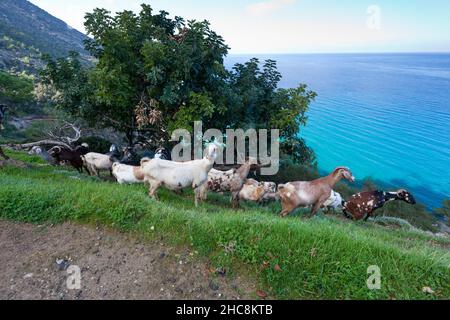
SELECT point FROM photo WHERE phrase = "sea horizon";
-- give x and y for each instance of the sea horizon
(384, 115)
(341, 53)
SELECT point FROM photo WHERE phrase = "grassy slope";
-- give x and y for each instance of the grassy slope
(319, 258)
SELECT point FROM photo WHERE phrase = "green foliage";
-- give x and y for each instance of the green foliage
(290, 171)
(444, 212)
(15, 89)
(70, 81)
(416, 214)
(200, 106)
(155, 74)
(320, 258)
(257, 103)
(96, 144)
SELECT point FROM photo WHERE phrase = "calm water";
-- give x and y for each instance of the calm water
(386, 116)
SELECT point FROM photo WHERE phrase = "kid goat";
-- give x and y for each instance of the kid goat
(362, 205)
(126, 174)
(178, 175)
(306, 193)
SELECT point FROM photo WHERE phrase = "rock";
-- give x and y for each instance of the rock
(62, 264)
(261, 294)
(213, 285)
(28, 275)
(427, 290)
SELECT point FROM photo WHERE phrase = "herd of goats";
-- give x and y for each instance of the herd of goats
(156, 169)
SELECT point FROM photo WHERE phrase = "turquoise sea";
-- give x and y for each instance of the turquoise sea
(386, 116)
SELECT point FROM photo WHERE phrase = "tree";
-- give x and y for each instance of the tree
(154, 74)
(258, 103)
(15, 91)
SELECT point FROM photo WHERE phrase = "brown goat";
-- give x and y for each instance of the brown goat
(71, 156)
(362, 205)
(311, 193)
(252, 190)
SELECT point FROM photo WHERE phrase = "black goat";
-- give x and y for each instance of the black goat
(71, 156)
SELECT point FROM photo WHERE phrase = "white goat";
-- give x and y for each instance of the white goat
(178, 175)
(95, 162)
(126, 174)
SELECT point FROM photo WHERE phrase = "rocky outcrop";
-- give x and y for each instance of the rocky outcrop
(26, 32)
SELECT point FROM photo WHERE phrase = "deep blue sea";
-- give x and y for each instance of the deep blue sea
(386, 116)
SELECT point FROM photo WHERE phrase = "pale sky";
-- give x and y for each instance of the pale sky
(297, 26)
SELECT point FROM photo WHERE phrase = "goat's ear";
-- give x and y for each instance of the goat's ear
(145, 160)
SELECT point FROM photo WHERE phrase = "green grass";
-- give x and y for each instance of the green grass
(320, 258)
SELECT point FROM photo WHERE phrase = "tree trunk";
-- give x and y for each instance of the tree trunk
(40, 143)
(129, 136)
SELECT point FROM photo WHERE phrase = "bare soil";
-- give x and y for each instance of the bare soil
(113, 266)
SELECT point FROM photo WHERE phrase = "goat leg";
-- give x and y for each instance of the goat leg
(285, 212)
(346, 214)
(153, 190)
(203, 192)
(318, 205)
(235, 199)
(197, 196)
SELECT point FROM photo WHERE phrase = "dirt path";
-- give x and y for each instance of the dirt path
(113, 266)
